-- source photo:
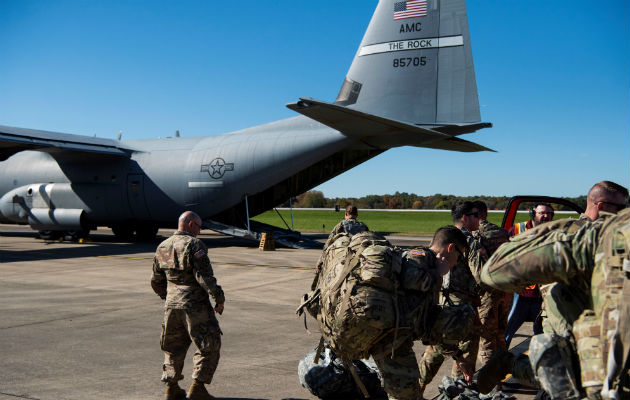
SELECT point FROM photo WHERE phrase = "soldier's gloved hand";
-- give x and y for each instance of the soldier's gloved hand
(468, 374)
(219, 308)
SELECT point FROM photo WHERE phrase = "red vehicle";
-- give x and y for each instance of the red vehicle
(522, 203)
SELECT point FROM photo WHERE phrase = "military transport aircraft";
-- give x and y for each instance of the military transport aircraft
(411, 83)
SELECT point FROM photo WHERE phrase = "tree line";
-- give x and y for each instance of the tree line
(404, 200)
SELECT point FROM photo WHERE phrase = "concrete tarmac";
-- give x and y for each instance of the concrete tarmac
(80, 321)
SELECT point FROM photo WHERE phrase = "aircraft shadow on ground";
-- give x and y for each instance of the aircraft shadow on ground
(99, 245)
(89, 250)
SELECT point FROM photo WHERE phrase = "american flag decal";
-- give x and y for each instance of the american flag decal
(410, 9)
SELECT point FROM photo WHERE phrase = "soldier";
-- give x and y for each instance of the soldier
(594, 258)
(562, 305)
(459, 287)
(349, 225)
(182, 275)
(527, 303)
(421, 277)
(495, 305)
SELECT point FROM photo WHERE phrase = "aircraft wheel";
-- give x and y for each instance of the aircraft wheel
(123, 232)
(146, 233)
(74, 236)
(50, 235)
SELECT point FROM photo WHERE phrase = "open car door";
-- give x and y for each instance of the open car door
(562, 208)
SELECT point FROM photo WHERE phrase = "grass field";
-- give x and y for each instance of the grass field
(388, 222)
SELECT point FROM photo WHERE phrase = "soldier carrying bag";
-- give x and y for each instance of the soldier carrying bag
(355, 298)
(359, 294)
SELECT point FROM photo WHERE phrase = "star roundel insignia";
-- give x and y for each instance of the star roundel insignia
(217, 168)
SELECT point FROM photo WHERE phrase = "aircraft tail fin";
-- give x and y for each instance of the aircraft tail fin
(415, 65)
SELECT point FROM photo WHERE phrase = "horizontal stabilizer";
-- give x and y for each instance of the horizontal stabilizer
(13, 140)
(460, 129)
(379, 132)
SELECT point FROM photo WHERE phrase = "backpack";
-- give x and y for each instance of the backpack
(358, 293)
(329, 378)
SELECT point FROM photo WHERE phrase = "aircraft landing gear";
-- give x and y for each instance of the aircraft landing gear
(146, 233)
(71, 236)
(50, 235)
(123, 232)
(130, 233)
(75, 236)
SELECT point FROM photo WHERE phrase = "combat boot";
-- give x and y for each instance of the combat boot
(174, 392)
(497, 367)
(198, 391)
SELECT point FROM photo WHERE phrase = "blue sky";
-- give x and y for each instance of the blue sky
(553, 77)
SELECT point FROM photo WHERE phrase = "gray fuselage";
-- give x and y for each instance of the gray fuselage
(208, 175)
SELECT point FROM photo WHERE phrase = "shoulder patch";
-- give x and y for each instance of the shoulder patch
(417, 253)
(200, 254)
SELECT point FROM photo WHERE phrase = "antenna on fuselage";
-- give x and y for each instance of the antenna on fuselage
(119, 135)
(176, 133)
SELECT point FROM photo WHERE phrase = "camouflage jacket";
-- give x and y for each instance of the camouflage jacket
(483, 244)
(459, 284)
(418, 272)
(557, 251)
(431, 323)
(590, 257)
(182, 273)
(421, 286)
(351, 226)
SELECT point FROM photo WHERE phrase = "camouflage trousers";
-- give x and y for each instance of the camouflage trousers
(435, 355)
(493, 314)
(180, 328)
(400, 373)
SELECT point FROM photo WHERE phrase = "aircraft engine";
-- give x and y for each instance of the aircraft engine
(35, 204)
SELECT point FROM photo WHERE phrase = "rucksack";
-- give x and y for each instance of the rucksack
(358, 293)
(329, 378)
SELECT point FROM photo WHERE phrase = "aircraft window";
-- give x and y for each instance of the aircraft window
(29, 192)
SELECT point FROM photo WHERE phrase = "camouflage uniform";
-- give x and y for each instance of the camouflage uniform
(562, 305)
(429, 323)
(592, 257)
(351, 226)
(495, 305)
(459, 287)
(182, 275)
